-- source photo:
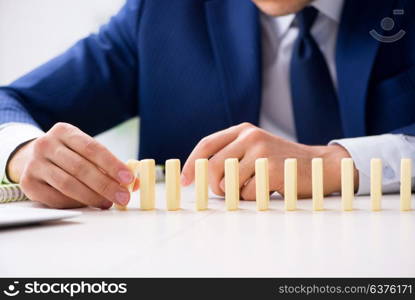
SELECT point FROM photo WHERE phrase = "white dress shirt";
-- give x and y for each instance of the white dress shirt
(276, 115)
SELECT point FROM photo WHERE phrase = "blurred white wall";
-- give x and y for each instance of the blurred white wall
(33, 31)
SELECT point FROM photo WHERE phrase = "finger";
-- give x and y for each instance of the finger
(207, 147)
(43, 193)
(248, 191)
(87, 173)
(217, 165)
(246, 171)
(276, 175)
(74, 189)
(93, 151)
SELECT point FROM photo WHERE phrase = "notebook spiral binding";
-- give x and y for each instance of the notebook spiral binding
(11, 193)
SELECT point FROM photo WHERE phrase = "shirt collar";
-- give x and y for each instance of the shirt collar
(330, 8)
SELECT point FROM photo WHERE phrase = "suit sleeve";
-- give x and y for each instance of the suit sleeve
(93, 85)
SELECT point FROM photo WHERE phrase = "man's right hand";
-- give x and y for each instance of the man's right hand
(66, 168)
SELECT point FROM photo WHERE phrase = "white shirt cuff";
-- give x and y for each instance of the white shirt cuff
(390, 148)
(12, 135)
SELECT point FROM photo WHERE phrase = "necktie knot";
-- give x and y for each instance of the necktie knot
(305, 19)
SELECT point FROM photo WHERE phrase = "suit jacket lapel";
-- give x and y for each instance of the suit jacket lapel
(355, 55)
(234, 31)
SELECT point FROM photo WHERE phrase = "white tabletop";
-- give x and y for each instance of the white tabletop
(217, 242)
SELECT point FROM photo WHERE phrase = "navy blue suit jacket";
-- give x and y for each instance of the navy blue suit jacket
(191, 67)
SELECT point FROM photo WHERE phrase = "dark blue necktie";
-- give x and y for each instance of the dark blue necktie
(315, 105)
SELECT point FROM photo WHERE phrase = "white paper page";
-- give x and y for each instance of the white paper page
(19, 215)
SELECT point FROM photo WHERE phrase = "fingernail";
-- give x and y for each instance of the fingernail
(125, 177)
(222, 185)
(122, 198)
(183, 180)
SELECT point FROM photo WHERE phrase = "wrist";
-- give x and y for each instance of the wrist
(16, 162)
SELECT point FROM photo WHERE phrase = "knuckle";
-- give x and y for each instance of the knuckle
(205, 143)
(77, 168)
(91, 147)
(104, 187)
(59, 152)
(41, 145)
(61, 127)
(246, 125)
(253, 135)
(64, 184)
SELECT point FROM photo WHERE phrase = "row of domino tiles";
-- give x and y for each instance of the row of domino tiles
(146, 170)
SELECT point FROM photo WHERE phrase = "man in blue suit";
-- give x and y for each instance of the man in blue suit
(218, 79)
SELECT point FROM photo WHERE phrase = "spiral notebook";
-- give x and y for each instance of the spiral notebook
(11, 193)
